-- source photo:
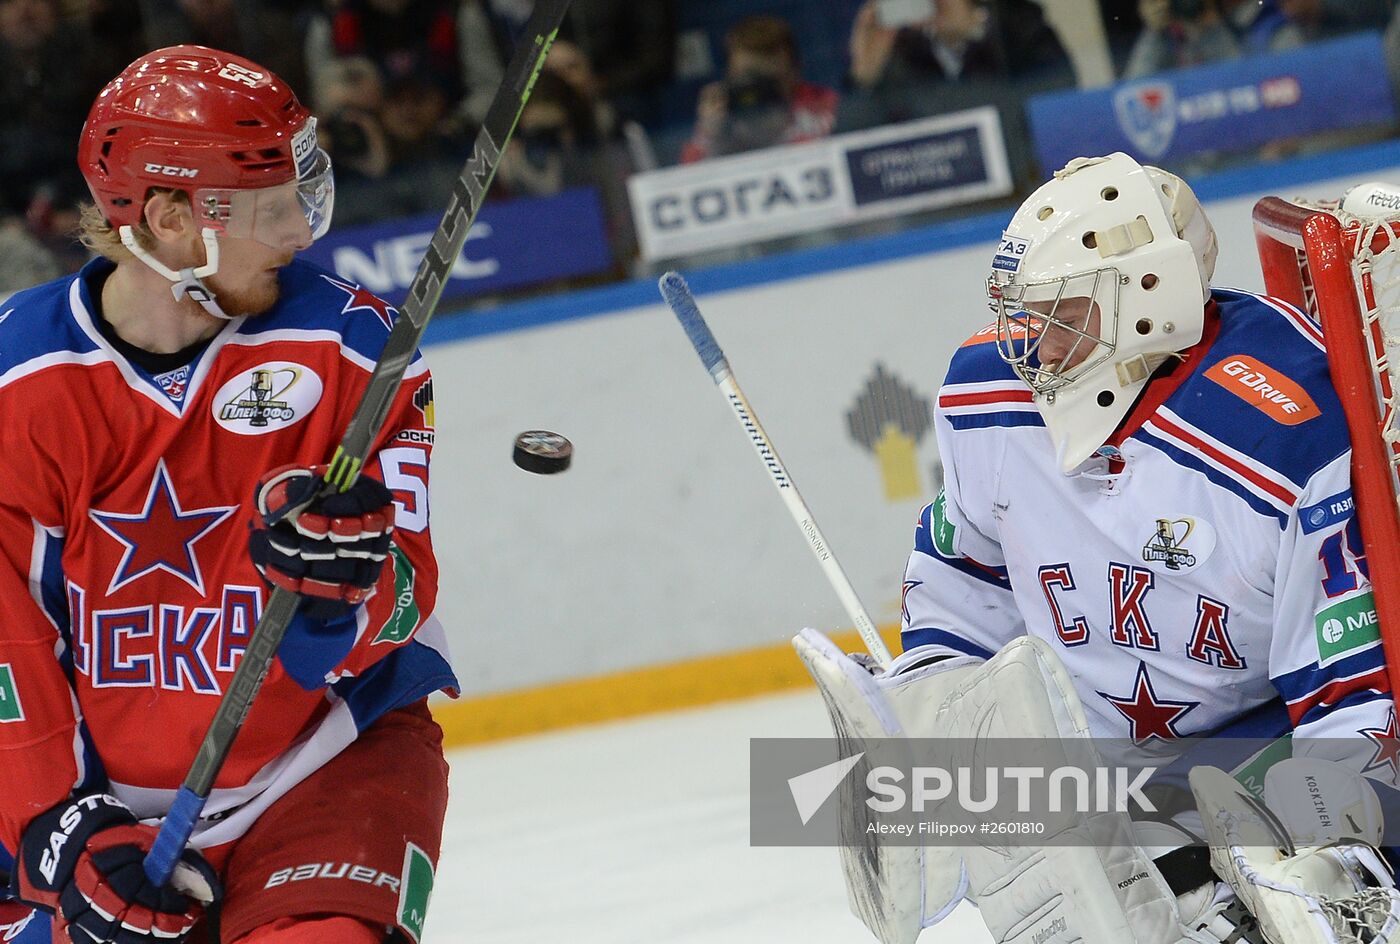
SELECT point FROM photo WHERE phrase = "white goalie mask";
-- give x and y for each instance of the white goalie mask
(1101, 276)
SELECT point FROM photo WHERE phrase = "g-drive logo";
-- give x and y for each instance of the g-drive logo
(1033, 789)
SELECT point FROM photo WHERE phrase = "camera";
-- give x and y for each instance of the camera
(1188, 9)
(749, 93)
(348, 138)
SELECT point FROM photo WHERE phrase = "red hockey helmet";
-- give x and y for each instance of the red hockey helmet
(228, 132)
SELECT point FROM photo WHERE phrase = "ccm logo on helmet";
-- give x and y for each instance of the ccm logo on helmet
(1261, 386)
(165, 170)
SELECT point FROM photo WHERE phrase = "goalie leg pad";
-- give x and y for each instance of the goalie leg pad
(895, 890)
(1102, 890)
(1091, 882)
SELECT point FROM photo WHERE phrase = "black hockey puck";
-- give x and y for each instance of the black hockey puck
(542, 452)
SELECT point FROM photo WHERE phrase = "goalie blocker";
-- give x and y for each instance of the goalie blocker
(1305, 883)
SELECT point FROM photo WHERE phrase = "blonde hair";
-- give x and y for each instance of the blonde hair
(101, 237)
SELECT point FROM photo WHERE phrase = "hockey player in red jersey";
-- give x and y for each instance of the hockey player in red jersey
(160, 407)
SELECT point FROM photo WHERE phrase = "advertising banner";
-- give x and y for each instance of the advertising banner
(510, 246)
(1228, 106)
(784, 191)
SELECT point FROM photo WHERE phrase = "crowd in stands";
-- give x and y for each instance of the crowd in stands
(400, 86)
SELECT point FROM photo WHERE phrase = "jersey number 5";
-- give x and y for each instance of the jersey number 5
(405, 471)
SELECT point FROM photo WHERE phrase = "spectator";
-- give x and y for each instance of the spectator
(558, 145)
(447, 41)
(1261, 26)
(568, 61)
(24, 262)
(395, 145)
(349, 98)
(553, 142)
(122, 26)
(762, 100)
(1320, 19)
(49, 79)
(268, 31)
(959, 41)
(632, 45)
(418, 122)
(1180, 33)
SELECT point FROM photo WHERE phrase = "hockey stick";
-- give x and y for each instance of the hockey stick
(467, 194)
(677, 295)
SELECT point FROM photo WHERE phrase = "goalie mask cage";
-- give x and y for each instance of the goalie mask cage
(1345, 273)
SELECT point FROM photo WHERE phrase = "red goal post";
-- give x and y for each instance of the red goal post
(1345, 272)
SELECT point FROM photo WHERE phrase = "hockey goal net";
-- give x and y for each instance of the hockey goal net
(1344, 271)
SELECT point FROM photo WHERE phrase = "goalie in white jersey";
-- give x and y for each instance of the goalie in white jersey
(1147, 512)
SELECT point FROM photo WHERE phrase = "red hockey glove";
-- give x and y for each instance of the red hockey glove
(84, 857)
(334, 552)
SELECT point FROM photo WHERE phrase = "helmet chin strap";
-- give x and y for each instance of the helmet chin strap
(186, 281)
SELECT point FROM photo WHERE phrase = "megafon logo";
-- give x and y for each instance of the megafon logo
(1266, 389)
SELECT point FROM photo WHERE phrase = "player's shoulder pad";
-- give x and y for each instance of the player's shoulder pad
(981, 391)
(37, 326)
(1263, 388)
(977, 360)
(315, 301)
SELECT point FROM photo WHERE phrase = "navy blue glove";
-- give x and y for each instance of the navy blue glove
(83, 858)
(333, 554)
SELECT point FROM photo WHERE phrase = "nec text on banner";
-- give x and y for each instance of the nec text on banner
(509, 247)
(784, 191)
(1228, 106)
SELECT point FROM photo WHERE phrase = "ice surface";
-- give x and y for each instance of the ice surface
(638, 833)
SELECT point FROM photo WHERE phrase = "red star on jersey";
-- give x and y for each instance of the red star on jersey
(161, 536)
(363, 298)
(1149, 715)
(1387, 748)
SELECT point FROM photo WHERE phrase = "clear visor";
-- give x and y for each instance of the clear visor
(1054, 332)
(287, 216)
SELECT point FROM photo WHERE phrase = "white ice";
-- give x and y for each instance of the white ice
(638, 833)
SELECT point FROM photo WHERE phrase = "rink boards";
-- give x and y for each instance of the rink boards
(662, 570)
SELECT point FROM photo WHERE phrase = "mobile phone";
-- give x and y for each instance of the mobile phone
(893, 14)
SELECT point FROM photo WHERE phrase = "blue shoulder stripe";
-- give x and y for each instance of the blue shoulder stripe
(411, 672)
(1192, 461)
(314, 299)
(38, 321)
(978, 363)
(1310, 678)
(1008, 419)
(913, 638)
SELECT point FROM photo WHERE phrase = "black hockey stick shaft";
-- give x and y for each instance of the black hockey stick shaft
(467, 195)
